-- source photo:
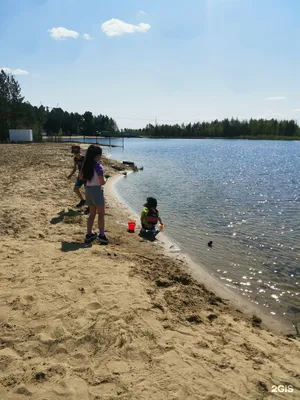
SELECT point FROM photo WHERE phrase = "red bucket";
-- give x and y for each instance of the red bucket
(131, 226)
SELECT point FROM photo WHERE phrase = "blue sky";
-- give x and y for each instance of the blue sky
(177, 61)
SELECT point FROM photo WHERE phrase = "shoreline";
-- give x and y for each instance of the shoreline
(272, 138)
(202, 274)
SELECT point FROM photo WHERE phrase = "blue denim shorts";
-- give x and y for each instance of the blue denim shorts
(79, 183)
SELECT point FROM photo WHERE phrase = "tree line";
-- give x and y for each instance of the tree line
(15, 113)
(233, 128)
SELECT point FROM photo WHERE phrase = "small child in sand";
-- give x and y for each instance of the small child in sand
(78, 162)
(93, 175)
(149, 219)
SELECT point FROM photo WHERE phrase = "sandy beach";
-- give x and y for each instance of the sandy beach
(123, 321)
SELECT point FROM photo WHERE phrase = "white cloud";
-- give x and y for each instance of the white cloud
(212, 97)
(116, 27)
(274, 98)
(142, 13)
(297, 110)
(15, 71)
(86, 36)
(20, 72)
(62, 33)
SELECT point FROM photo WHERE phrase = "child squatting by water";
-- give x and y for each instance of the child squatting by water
(93, 175)
(149, 219)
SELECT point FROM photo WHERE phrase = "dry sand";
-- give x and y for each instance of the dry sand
(122, 321)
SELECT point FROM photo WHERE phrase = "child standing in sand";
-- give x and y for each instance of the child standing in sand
(78, 162)
(93, 175)
(149, 219)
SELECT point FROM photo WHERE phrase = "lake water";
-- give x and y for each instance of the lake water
(243, 195)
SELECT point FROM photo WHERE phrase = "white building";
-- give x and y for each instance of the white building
(20, 135)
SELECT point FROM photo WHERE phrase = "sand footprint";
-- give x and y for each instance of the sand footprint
(68, 388)
(7, 357)
(55, 331)
(93, 306)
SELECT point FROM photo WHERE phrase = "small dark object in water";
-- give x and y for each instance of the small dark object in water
(209, 244)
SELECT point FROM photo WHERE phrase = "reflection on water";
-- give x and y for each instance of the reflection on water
(242, 195)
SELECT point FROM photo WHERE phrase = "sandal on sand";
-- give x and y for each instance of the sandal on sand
(90, 238)
(102, 239)
(80, 204)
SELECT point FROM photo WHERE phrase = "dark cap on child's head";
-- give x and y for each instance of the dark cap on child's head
(75, 149)
(151, 202)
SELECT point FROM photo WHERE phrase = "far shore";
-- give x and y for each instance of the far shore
(73, 139)
(279, 138)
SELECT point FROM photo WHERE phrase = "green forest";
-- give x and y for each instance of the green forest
(16, 113)
(227, 128)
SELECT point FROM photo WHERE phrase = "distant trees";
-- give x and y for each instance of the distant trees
(17, 114)
(10, 103)
(14, 112)
(233, 128)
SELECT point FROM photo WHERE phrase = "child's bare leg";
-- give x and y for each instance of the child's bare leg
(101, 224)
(91, 219)
(78, 193)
